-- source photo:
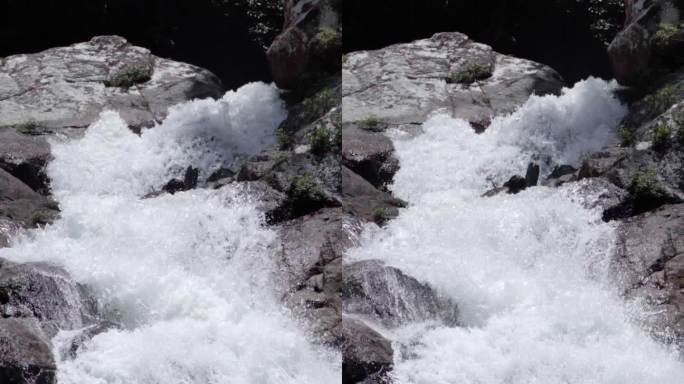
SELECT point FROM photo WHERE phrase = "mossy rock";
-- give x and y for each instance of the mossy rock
(470, 73)
(129, 77)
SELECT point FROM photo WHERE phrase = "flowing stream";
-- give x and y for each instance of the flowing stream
(530, 272)
(189, 276)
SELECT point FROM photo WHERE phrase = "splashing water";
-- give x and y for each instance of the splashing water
(529, 271)
(190, 275)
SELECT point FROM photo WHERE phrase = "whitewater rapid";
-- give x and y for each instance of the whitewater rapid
(530, 272)
(190, 276)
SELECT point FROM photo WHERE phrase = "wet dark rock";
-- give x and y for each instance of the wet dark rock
(312, 249)
(650, 261)
(561, 170)
(401, 85)
(189, 182)
(365, 353)
(25, 354)
(391, 297)
(65, 87)
(532, 175)
(44, 292)
(366, 202)
(515, 184)
(25, 157)
(481, 125)
(23, 206)
(369, 154)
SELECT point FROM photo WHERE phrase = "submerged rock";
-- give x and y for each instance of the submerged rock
(391, 297)
(365, 353)
(68, 87)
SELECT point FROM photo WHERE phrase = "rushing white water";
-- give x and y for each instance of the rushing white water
(529, 271)
(190, 275)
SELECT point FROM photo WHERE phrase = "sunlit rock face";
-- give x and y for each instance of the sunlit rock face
(68, 87)
(403, 84)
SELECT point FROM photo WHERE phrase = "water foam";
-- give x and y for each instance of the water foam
(188, 276)
(529, 271)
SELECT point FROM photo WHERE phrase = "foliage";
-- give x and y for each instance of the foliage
(305, 188)
(660, 136)
(626, 134)
(129, 77)
(679, 120)
(328, 37)
(471, 73)
(321, 140)
(27, 128)
(41, 217)
(265, 17)
(317, 105)
(380, 215)
(605, 16)
(645, 186)
(666, 31)
(661, 100)
(285, 137)
(370, 123)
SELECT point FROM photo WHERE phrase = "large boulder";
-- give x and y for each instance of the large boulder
(68, 87)
(387, 295)
(365, 353)
(309, 46)
(25, 353)
(44, 292)
(650, 43)
(403, 84)
(650, 261)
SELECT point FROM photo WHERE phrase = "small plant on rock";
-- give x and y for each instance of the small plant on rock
(661, 100)
(27, 128)
(626, 135)
(645, 186)
(129, 78)
(305, 188)
(666, 31)
(285, 138)
(469, 74)
(370, 123)
(660, 136)
(321, 140)
(318, 104)
(328, 36)
(380, 215)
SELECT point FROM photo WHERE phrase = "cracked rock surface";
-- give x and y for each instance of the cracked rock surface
(404, 83)
(68, 87)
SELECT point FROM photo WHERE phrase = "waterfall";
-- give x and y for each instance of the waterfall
(189, 276)
(531, 271)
